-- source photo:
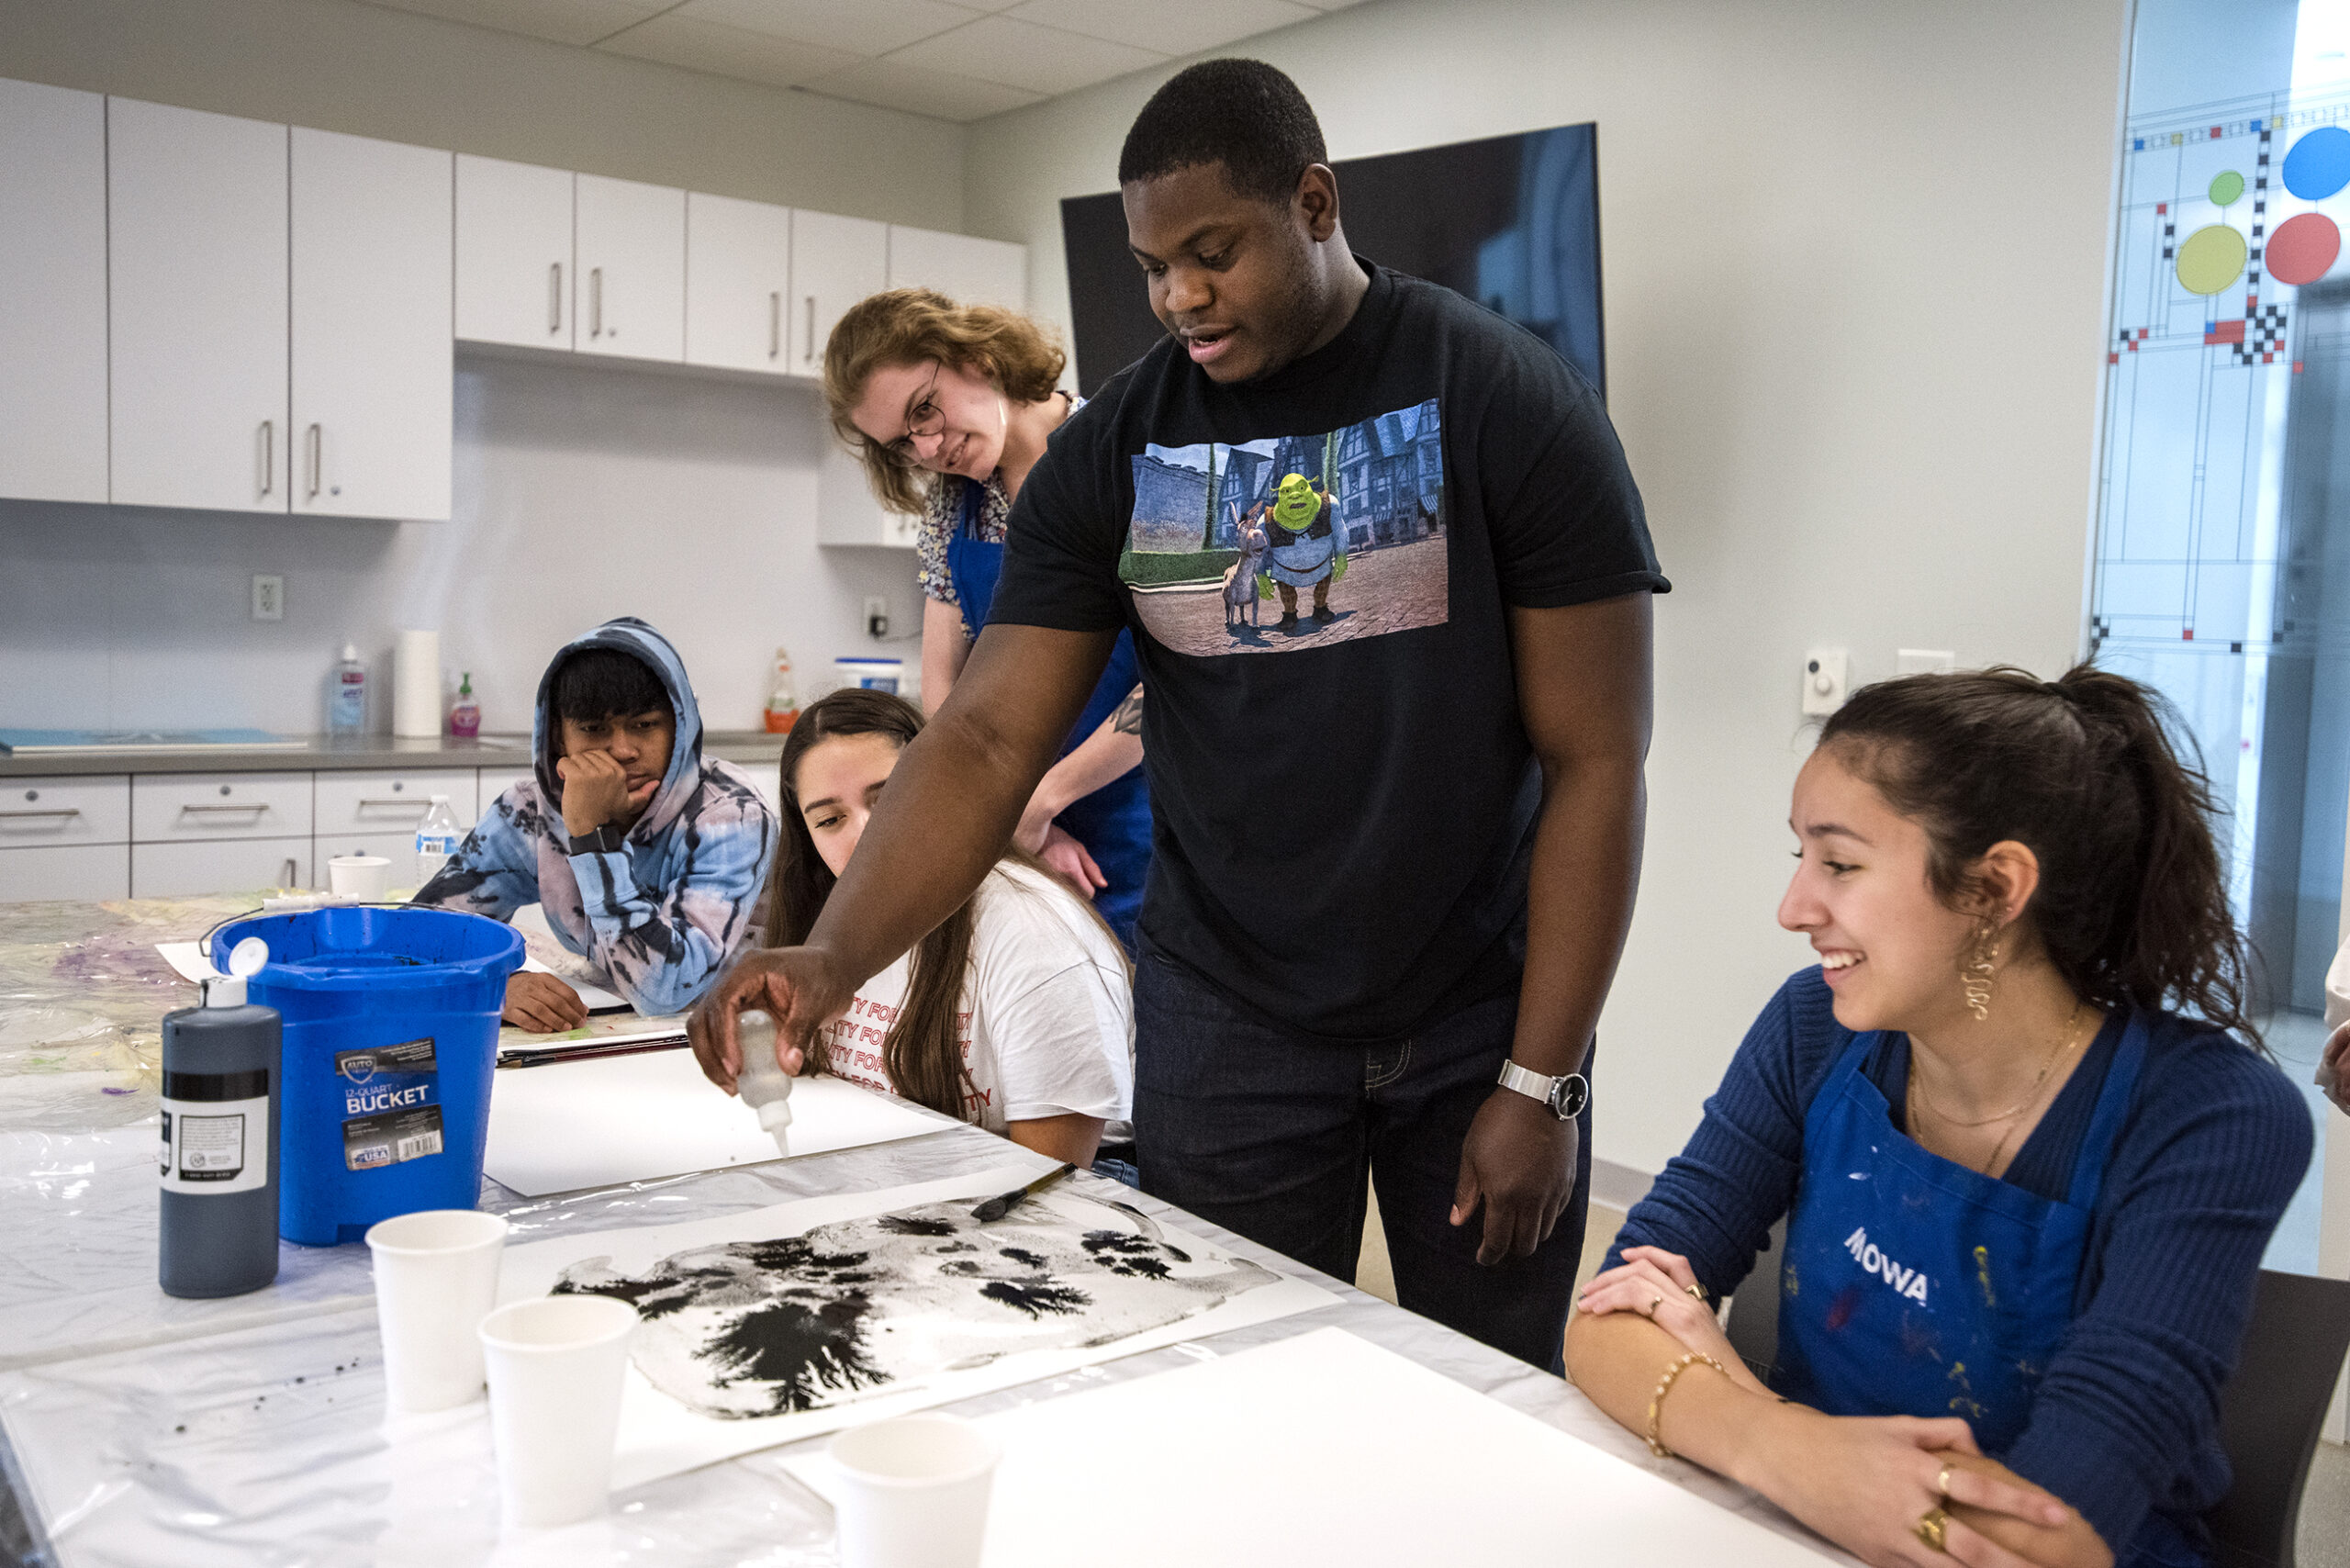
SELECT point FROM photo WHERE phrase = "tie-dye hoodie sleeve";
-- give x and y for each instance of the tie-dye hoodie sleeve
(661, 915)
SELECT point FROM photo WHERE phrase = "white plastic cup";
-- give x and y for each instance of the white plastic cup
(436, 1277)
(360, 877)
(555, 1370)
(914, 1491)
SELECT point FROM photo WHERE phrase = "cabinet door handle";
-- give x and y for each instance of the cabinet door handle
(554, 297)
(808, 343)
(268, 455)
(256, 807)
(419, 807)
(315, 464)
(775, 326)
(57, 811)
(595, 302)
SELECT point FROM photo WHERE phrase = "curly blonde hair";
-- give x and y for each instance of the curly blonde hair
(917, 326)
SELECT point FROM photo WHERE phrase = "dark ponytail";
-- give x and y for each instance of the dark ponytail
(2132, 905)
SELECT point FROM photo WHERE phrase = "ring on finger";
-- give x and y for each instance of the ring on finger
(1654, 1302)
(1941, 1483)
(1697, 1291)
(1929, 1528)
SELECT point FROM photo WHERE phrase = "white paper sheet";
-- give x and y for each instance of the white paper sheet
(659, 1436)
(597, 999)
(187, 962)
(635, 1118)
(1326, 1449)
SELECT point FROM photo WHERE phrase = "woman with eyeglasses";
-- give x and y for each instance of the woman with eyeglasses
(950, 406)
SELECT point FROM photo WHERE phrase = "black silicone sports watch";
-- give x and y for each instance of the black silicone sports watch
(606, 840)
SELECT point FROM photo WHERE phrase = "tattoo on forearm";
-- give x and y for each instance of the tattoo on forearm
(1127, 720)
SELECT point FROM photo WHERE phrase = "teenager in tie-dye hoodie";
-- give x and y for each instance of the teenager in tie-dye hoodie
(656, 877)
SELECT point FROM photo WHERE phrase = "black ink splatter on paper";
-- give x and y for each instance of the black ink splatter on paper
(752, 1328)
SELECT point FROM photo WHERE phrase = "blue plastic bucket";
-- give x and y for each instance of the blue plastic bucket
(391, 1035)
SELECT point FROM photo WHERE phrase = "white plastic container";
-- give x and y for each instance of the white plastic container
(555, 1366)
(913, 1493)
(763, 1086)
(873, 675)
(436, 1278)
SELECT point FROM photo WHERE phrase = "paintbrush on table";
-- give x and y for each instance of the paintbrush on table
(996, 1208)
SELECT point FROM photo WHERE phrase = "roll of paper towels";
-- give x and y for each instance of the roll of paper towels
(416, 685)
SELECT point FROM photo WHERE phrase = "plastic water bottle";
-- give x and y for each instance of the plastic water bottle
(219, 1235)
(347, 711)
(436, 839)
(783, 696)
(763, 1086)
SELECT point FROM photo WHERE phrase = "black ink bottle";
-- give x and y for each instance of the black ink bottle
(220, 1153)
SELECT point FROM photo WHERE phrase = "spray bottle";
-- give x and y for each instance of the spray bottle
(763, 1086)
(220, 1154)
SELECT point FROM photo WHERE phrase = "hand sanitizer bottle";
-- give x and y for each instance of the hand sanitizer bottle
(347, 710)
(436, 839)
(763, 1086)
(465, 715)
(220, 1158)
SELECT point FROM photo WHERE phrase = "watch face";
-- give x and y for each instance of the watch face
(1569, 1095)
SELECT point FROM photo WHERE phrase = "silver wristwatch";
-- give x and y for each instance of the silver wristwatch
(1565, 1096)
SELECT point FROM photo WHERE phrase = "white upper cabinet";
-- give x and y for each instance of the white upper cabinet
(738, 280)
(968, 271)
(197, 215)
(514, 273)
(835, 262)
(372, 374)
(52, 293)
(631, 245)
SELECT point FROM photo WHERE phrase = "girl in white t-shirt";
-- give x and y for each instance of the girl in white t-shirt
(1016, 1014)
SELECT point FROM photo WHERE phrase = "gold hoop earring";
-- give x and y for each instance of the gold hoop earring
(1979, 975)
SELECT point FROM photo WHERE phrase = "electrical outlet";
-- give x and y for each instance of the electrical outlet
(877, 617)
(269, 597)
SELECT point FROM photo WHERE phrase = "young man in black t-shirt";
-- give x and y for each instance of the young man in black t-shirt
(1398, 833)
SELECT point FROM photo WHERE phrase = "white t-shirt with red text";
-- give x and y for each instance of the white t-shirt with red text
(1049, 1023)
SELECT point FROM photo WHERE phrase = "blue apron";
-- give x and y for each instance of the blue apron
(1916, 1286)
(1113, 823)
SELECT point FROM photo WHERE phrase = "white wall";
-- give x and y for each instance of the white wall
(1854, 262)
(581, 494)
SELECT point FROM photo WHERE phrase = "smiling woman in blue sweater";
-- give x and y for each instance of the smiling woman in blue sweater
(2028, 1162)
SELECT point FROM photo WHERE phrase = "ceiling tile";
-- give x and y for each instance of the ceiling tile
(917, 90)
(722, 50)
(1187, 28)
(1021, 54)
(857, 26)
(564, 21)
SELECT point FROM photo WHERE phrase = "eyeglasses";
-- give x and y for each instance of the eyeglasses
(926, 419)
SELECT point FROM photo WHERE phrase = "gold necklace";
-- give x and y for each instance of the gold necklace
(2016, 1110)
(2064, 1047)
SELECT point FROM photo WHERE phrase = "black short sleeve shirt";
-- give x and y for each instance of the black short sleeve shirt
(1316, 565)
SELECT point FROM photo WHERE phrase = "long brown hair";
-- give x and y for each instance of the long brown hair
(922, 1052)
(2133, 905)
(920, 325)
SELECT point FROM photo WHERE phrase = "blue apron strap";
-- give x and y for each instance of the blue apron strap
(2105, 1121)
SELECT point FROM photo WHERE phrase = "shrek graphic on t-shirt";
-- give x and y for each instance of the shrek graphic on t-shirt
(1291, 542)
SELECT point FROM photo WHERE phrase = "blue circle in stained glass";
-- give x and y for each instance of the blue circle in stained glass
(2319, 164)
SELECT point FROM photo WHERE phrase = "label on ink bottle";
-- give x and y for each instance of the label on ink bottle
(216, 1132)
(389, 1105)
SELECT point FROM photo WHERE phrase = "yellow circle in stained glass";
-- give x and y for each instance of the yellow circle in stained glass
(2211, 258)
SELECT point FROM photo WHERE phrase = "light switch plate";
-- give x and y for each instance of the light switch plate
(1826, 681)
(269, 597)
(876, 616)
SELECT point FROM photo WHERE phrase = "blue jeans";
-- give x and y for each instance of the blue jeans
(1271, 1132)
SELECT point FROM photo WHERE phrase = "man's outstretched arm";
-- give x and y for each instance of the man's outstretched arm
(943, 820)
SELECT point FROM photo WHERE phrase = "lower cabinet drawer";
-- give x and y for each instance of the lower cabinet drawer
(48, 812)
(223, 866)
(399, 848)
(167, 808)
(89, 871)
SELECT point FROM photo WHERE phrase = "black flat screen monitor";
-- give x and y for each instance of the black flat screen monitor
(1511, 221)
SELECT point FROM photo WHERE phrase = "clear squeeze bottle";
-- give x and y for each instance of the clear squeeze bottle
(763, 1086)
(436, 839)
(220, 1154)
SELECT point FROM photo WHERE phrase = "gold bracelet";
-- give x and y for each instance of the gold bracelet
(1664, 1387)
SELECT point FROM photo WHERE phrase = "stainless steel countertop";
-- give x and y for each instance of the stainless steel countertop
(354, 753)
